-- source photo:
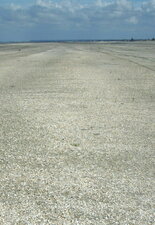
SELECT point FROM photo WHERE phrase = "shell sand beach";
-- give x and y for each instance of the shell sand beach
(77, 133)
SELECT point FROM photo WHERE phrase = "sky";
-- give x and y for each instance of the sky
(26, 20)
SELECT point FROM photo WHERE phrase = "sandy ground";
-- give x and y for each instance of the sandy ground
(77, 133)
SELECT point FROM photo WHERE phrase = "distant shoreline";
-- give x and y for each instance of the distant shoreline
(75, 41)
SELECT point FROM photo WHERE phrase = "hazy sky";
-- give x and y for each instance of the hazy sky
(24, 20)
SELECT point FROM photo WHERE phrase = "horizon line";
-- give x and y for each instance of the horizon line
(79, 40)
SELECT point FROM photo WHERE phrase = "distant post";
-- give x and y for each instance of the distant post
(132, 39)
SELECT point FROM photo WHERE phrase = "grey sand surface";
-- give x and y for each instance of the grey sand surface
(77, 133)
